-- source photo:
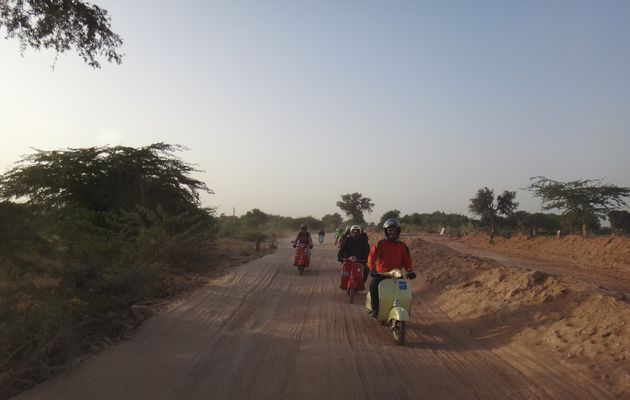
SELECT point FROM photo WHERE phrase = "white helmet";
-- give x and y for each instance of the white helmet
(355, 228)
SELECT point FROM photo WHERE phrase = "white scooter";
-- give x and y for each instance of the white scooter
(394, 306)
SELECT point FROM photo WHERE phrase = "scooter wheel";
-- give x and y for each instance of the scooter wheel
(399, 329)
(301, 268)
(351, 292)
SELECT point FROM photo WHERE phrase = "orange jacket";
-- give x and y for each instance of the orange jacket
(389, 254)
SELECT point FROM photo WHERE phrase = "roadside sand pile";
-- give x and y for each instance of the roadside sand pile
(605, 253)
(530, 312)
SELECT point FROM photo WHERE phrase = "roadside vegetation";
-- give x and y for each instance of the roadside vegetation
(84, 235)
(88, 234)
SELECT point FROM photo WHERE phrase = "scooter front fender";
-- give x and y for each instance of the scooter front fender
(399, 314)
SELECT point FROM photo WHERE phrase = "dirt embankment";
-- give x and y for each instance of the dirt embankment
(603, 255)
(534, 314)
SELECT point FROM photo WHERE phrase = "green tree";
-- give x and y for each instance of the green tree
(484, 205)
(354, 205)
(103, 179)
(534, 222)
(413, 219)
(619, 220)
(62, 25)
(332, 221)
(254, 221)
(392, 214)
(581, 200)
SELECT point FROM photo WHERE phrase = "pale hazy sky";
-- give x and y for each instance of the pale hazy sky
(286, 105)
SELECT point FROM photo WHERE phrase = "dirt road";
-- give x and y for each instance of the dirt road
(599, 279)
(263, 332)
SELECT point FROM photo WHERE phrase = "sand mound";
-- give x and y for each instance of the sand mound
(523, 309)
(608, 253)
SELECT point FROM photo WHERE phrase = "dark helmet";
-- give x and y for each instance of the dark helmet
(303, 227)
(392, 223)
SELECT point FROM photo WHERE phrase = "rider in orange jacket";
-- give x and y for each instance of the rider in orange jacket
(387, 254)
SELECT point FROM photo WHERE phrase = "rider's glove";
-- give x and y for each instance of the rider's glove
(411, 275)
(373, 273)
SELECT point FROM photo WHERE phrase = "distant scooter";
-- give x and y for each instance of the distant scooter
(302, 259)
(321, 239)
(394, 307)
(352, 277)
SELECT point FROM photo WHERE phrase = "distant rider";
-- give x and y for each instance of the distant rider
(387, 254)
(322, 234)
(356, 245)
(304, 237)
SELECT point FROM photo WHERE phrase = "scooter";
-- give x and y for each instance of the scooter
(321, 239)
(352, 277)
(302, 259)
(394, 307)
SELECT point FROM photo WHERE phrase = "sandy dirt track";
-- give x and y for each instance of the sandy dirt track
(263, 332)
(608, 281)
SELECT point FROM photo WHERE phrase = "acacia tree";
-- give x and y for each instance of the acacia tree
(582, 199)
(354, 205)
(103, 179)
(484, 205)
(62, 25)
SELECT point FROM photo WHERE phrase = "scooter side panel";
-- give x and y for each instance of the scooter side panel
(399, 314)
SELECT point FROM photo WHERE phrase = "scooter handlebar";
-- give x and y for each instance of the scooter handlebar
(395, 273)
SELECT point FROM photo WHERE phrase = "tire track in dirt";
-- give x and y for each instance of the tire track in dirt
(264, 332)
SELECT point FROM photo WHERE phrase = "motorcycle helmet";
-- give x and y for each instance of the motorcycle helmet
(355, 228)
(392, 223)
(303, 227)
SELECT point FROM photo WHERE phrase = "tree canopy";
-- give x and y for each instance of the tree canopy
(391, 214)
(619, 220)
(62, 25)
(332, 221)
(582, 198)
(105, 179)
(354, 205)
(484, 205)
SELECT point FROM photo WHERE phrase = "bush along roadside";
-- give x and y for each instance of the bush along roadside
(84, 289)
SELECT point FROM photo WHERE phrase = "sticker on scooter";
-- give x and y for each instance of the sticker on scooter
(402, 285)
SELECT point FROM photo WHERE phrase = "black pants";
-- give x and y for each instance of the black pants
(374, 291)
(366, 273)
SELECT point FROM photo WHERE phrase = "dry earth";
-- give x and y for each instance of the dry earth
(573, 310)
(479, 330)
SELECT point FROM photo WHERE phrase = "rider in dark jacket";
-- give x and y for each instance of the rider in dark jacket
(356, 244)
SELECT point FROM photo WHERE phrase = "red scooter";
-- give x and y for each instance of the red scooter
(302, 259)
(352, 277)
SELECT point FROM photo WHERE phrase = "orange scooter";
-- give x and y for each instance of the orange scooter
(352, 277)
(302, 258)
